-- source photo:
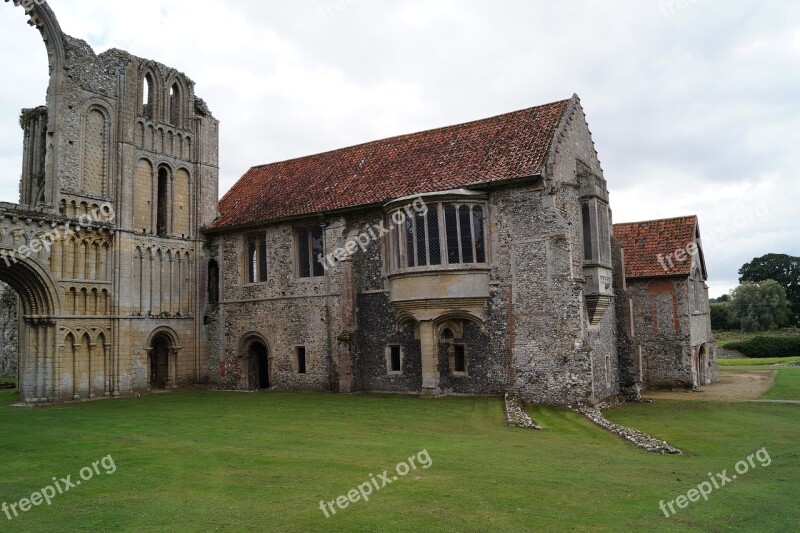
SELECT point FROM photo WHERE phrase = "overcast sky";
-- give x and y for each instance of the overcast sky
(694, 104)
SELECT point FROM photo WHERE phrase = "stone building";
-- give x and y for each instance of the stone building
(473, 259)
(105, 249)
(665, 287)
(469, 259)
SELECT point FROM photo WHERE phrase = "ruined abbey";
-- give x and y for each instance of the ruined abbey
(474, 259)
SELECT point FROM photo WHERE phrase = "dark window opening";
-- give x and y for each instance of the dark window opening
(422, 255)
(395, 359)
(311, 248)
(301, 359)
(587, 232)
(174, 104)
(147, 96)
(451, 223)
(604, 233)
(434, 238)
(466, 234)
(162, 213)
(460, 359)
(213, 282)
(477, 230)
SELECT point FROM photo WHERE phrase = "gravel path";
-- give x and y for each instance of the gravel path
(733, 386)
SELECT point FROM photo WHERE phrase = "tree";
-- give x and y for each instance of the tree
(785, 269)
(721, 319)
(760, 306)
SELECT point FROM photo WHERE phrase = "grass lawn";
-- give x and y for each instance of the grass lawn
(203, 461)
(787, 385)
(749, 361)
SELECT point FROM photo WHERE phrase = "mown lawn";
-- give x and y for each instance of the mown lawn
(787, 385)
(749, 361)
(203, 461)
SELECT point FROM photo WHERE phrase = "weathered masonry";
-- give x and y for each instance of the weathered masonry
(669, 319)
(471, 259)
(474, 259)
(104, 249)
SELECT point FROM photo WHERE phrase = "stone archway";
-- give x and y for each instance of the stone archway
(256, 360)
(162, 359)
(40, 304)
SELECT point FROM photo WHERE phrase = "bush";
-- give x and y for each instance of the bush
(762, 346)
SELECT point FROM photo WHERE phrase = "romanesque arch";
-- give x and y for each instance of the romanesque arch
(163, 347)
(39, 379)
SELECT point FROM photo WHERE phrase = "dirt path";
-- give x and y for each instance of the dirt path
(733, 386)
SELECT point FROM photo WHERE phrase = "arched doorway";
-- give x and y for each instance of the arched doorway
(702, 364)
(159, 362)
(162, 355)
(256, 363)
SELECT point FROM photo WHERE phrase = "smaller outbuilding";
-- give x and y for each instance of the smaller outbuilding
(664, 302)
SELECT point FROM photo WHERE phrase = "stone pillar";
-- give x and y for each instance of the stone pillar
(106, 370)
(75, 350)
(430, 359)
(173, 369)
(348, 325)
(92, 350)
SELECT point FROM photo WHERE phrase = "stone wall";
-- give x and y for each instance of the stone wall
(532, 336)
(8, 331)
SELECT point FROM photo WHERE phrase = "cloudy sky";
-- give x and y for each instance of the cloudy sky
(694, 104)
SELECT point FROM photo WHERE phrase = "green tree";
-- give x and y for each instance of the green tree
(721, 319)
(785, 269)
(760, 306)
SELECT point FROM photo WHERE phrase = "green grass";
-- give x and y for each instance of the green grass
(786, 387)
(202, 461)
(757, 362)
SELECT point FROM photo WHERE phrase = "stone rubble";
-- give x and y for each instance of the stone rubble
(638, 438)
(516, 415)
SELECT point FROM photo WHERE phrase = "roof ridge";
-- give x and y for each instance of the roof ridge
(657, 220)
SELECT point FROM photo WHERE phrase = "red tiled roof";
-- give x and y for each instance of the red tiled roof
(515, 145)
(650, 247)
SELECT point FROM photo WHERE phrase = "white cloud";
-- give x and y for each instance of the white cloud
(692, 113)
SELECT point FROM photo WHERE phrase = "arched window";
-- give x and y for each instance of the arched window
(174, 104)
(162, 213)
(147, 95)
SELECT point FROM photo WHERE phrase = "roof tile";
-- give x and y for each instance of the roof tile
(509, 146)
(650, 246)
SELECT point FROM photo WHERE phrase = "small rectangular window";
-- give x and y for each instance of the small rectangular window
(300, 352)
(395, 359)
(459, 359)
